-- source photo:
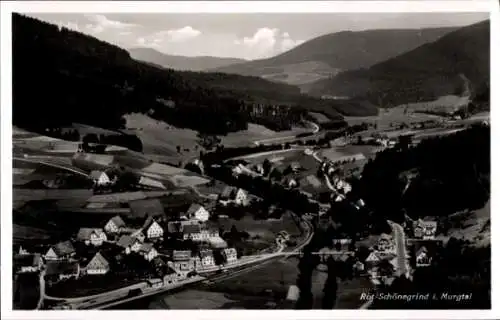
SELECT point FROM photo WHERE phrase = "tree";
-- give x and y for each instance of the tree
(266, 165)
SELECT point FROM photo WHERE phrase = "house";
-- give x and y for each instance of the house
(197, 212)
(373, 259)
(61, 270)
(423, 258)
(98, 265)
(61, 251)
(292, 183)
(425, 229)
(284, 234)
(207, 258)
(100, 178)
(183, 262)
(152, 229)
(208, 234)
(359, 266)
(91, 236)
(170, 277)
(192, 232)
(342, 244)
(129, 244)
(174, 229)
(155, 283)
(148, 251)
(230, 255)
(234, 195)
(114, 225)
(27, 263)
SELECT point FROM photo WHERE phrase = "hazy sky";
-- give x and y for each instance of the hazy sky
(248, 36)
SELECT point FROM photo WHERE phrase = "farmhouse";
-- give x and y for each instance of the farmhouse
(152, 229)
(100, 178)
(230, 255)
(60, 270)
(385, 242)
(28, 263)
(183, 261)
(129, 244)
(91, 236)
(148, 251)
(98, 265)
(234, 195)
(422, 257)
(114, 225)
(61, 251)
(192, 232)
(197, 212)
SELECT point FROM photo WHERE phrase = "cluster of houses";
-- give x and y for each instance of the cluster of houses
(381, 263)
(116, 241)
(102, 180)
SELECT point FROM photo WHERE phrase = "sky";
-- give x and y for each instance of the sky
(246, 36)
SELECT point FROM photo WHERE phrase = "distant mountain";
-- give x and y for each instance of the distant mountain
(458, 63)
(180, 62)
(327, 55)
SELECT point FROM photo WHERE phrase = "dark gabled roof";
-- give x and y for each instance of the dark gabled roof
(64, 248)
(147, 207)
(26, 260)
(174, 227)
(228, 192)
(126, 241)
(146, 247)
(96, 174)
(85, 233)
(206, 253)
(118, 221)
(100, 259)
(193, 208)
(61, 267)
(181, 254)
(149, 221)
(191, 228)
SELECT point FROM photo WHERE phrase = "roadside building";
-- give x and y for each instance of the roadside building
(61, 270)
(98, 265)
(28, 263)
(425, 229)
(61, 251)
(114, 225)
(170, 277)
(148, 251)
(152, 229)
(92, 236)
(183, 262)
(230, 255)
(207, 258)
(129, 244)
(197, 212)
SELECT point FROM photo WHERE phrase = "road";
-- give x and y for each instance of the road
(42, 290)
(400, 239)
(52, 165)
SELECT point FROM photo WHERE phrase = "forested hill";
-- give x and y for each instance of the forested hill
(62, 76)
(425, 73)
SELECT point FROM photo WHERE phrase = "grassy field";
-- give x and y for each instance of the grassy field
(246, 137)
(319, 117)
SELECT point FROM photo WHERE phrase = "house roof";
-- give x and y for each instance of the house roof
(191, 228)
(85, 233)
(99, 258)
(146, 247)
(26, 260)
(181, 254)
(96, 174)
(421, 249)
(61, 267)
(63, 248)
(143, 208)
(373, 256)
(206, 253)
(149, 221)
(229, 251)
(193, 208)
(126, 241)
(118, 221)
(228, 192)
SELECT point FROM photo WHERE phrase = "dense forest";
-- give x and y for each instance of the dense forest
(62, 76)
(437, 177)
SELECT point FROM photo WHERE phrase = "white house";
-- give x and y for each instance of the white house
(152, 229)
(92, 236)
(385, 243)
(100, 177)
(148, 251)
(207, 258)
(192, 232)
(129, 244)
(28, 263)
(197, 212)
(425, 229)
(114, 225)
(230, 255)
(234, 195)
(98, 265)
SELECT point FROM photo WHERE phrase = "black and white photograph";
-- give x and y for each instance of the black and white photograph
(248, 161)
